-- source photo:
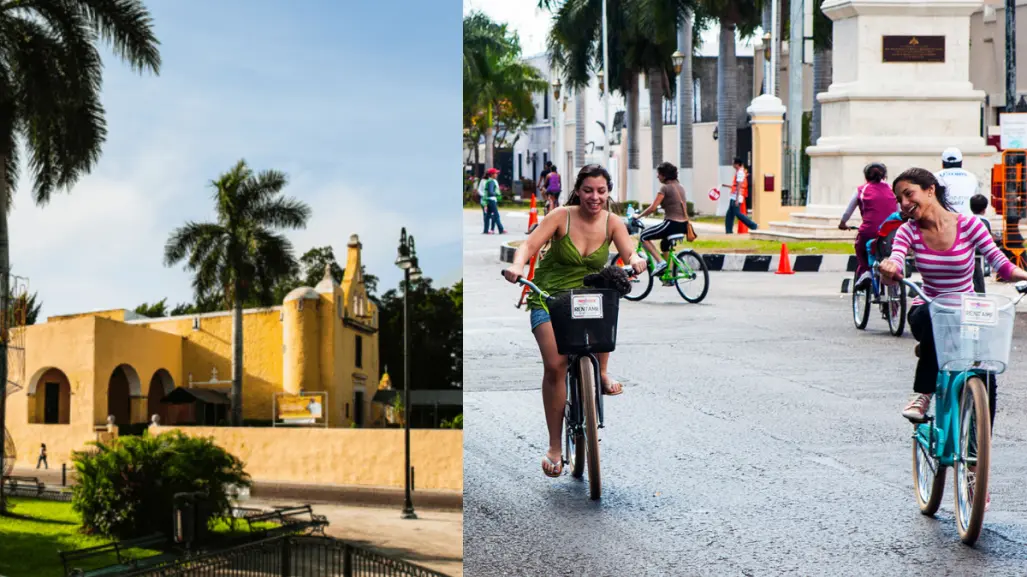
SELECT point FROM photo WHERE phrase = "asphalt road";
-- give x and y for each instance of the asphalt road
(759, 434)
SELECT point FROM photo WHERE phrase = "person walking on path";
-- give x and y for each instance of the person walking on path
(42, 457)
(739, 191)
(490, 198)
(552, 189)
(960, 185)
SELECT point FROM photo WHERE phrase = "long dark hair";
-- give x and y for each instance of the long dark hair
(589, 171)
(924, 179)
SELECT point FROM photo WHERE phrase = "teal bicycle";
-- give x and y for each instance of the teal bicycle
(972, 334)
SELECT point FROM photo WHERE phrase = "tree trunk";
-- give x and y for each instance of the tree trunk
(766, 22)
(821, 82)
(579, 130)
(727, 95)
(237, 367)
(633, 160)
(5, 259)
(686, 97)
(656, 123)
(490, 138)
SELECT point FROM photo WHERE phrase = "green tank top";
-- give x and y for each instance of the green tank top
(563, 267)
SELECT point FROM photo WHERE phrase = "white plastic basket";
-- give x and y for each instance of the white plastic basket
(972, 331)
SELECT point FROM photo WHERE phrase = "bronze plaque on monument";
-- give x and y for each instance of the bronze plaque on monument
(913, 48)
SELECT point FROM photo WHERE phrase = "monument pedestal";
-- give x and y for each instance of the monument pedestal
(900, 95)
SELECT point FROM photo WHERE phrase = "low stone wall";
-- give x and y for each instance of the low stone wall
(371, 457)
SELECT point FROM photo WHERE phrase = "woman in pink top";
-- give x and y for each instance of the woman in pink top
(876, 203)
(944, 243)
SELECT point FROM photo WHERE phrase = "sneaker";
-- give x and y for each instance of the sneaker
(864, 280)
(917, 408)
(660, 268)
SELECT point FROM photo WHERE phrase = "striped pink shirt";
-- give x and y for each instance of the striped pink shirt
(952, 270)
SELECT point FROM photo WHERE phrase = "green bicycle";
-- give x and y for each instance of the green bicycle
(685, 269)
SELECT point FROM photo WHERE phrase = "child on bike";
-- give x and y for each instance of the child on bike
(876, 203)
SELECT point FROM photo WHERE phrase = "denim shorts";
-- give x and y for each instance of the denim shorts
(538, 317)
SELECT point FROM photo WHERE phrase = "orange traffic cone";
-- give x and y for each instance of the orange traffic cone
(742, 229)
(784, 266)
(531, 276)
(532, 215)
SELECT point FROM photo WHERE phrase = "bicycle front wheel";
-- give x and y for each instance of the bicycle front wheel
(693, 282)
(971, 474)
(896, 308)
(587, 384)
(928, 473)
(641, 284)
(860, 305)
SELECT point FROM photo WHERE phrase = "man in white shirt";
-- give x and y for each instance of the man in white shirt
(960, 185)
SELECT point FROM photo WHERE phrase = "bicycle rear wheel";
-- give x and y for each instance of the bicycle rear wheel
(974, 451)
(928, 474)
(895, 299)
(587, 384)
(860, 305)
(691, 289)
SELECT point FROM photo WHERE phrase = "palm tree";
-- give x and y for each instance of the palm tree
(642, 37)
(685, 99)
(50, 79)
(734, 17)
(494, 76)
(240, 256)
(822, 28)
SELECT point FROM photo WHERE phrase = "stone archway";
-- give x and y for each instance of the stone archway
(160, 384)
(122, 386)
(49, 397)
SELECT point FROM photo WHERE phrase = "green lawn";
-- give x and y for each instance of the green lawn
(37, 530)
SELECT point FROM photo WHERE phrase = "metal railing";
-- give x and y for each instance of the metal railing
(289, 556)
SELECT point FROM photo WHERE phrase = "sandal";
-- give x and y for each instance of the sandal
(556, 468)
(608, 388)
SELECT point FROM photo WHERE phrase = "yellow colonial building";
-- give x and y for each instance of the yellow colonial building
(80, 369)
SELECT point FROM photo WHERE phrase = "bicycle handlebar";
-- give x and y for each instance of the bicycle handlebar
(1021, 287)
(534, 288)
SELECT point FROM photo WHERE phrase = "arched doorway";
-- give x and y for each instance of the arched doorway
(160, 384)
(122, 386)
(49, 397)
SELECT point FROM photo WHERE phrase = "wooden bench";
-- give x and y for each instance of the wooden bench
(118, 548)
(14, 482)
(290, 519)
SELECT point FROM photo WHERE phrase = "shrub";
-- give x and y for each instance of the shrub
(456, 423)
(126, 488)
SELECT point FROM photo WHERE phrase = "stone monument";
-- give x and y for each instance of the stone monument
(900, 94)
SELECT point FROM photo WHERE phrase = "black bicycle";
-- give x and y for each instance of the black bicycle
(584, 324)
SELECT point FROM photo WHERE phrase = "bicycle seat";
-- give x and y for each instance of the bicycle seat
(675, 237)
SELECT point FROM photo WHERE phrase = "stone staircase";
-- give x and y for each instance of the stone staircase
(813, 226)
(807, 226)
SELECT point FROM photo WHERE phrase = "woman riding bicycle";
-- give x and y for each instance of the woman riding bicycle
(671, 198)
(876, 202)
(581, 233)
(944, 242)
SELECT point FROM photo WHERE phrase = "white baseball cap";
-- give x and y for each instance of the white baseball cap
(952, 154)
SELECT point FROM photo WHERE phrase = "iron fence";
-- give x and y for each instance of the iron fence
(288, 556)
(44, 495)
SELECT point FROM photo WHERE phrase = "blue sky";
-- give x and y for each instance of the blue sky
(358, 102)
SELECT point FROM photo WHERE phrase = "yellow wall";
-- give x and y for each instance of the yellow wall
(372, 457)
(211, 347)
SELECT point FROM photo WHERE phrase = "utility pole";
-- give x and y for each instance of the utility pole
(795, 45)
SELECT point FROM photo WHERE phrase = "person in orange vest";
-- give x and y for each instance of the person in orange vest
(739, 191)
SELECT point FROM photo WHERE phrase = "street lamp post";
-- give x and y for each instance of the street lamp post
(407, 262)
(679, 59)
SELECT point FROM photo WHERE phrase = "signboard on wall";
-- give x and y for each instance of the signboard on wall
(1013, 129)
(301, 409)
(912, 48)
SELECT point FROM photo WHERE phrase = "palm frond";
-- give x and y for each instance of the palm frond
(281, 213)
(192, 239)
(127, 26)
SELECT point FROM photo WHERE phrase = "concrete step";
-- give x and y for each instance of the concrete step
(817, 230)
(824, 219)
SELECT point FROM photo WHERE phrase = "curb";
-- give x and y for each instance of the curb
(755, 262)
